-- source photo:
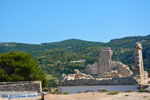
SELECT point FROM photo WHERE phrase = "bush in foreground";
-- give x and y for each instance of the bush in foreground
(19, 66)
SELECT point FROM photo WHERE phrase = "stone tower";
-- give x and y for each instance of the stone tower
(138, 59)
(105, 60)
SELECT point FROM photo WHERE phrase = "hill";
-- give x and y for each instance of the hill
(65, 56)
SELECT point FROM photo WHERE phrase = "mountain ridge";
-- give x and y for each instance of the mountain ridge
(79, 40)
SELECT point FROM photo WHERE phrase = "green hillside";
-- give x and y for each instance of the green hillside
(61, 57)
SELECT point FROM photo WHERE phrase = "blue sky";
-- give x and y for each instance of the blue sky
(40, 21)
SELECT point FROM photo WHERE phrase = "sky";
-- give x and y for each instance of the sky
(41, 21)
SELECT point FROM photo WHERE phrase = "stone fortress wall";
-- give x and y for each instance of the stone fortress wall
(97, 82)
(21, 86)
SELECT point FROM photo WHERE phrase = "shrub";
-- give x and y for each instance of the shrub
(66, 93)
(102, 90)
(113, 93)
(141, 90)
(88, 91)
(126, 95)
(52, 83)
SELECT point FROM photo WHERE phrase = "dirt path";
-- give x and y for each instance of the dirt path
(100, 96)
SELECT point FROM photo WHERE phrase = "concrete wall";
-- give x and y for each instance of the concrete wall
(21, 86)
(77, 89)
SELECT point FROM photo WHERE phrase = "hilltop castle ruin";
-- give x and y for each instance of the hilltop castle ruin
(110, 73)
(106, 68)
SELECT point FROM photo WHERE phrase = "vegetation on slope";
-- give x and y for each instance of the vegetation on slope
(62, 57)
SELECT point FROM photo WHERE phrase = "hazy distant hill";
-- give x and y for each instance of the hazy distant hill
(57, 57)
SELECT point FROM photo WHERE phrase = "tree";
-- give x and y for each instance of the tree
(19, 66)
